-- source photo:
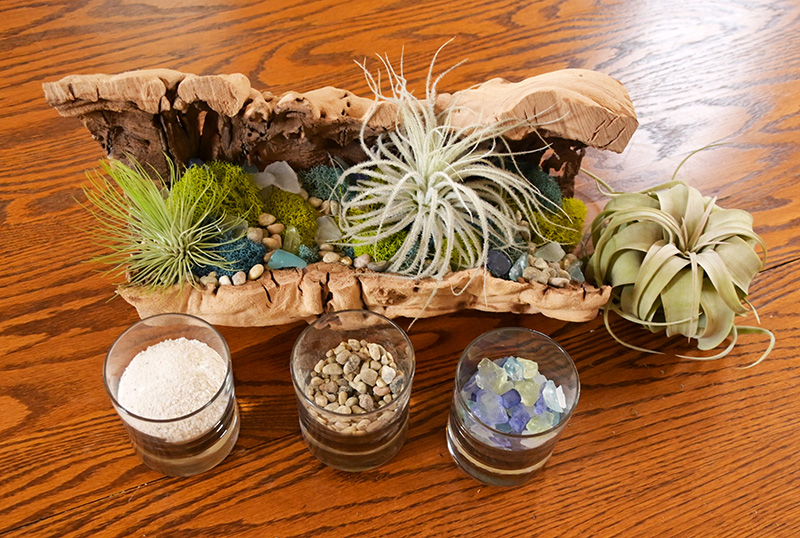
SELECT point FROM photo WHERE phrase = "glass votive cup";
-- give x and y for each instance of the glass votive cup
(360, 439)
(195, 441)
(500, 456)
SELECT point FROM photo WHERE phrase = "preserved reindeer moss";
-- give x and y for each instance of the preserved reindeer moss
(292, 210)
(563, 228)
(239, 255)
(321, 182)
(218, 180)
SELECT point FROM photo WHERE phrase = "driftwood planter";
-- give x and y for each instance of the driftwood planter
(155, 115)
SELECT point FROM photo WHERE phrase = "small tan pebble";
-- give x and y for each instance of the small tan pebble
(388, 373)
(361, 261)
(366, 402)
(265, 219)
(342, 398)
(331, 398)
(316, 381)
(268, 255)
(375, 365)
(225, 280)
(330, 257)
(334, 207)
(314, 202)
(256, 271)
(330, 353)
(350, 430)
(381, 391)
(354, 344)
(569, 260)
(239, 278)
(278, 239)
(397, 383)
(255, 234)
(363, 423)
(339, 426)
(346, 260)
(341, 347)
(550, 272)
(332, 369)
(331, 406)
(559, 282)
(378, 267)
(309, 391)
(326, 247)
(276, 228)
(342, 356)
(344, 410)
(374, 426)
(271, 243)
(352, 365)
(357, 410)
(387, 398)
(375, 351)
(540, 264)
(320, 400)
(369, 376)
(209, 280)
(360, 387)
(530, 273)
(542, 277)
(329, 386)
(385, 360)
(381, 383)
(318, 367)
(563, 274)
(325, 206)
(304, 194)
(351, 401)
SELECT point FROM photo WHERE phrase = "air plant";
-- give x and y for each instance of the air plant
(156, 238)
(678, 263)
(437, 183)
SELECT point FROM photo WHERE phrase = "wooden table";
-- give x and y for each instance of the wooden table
(660, 446)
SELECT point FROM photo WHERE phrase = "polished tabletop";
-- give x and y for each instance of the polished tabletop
(659, 445)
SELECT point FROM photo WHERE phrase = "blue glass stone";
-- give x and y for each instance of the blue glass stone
(505, 427)
(514, 369)
(281, 259)
(540, 406)
(511, 398)
(518, 268)
(519, 418)
(498, 263)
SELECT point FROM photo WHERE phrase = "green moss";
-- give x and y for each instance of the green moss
(384, 249)
(292, 210)
(563, 229)
(548, 186)
(223, 182)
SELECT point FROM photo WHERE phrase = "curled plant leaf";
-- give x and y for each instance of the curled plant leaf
(677, 262)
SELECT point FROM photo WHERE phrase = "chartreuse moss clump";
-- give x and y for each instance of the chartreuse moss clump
(564, 227)
(156, 241)
(293, 211)
(227, 184)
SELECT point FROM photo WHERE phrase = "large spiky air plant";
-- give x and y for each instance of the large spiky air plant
(439, 185)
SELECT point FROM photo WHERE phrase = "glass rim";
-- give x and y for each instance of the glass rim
(563, 419)
(210, 401)
(395, 400)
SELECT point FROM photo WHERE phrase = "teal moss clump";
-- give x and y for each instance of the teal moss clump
(321, 182)
(548, 186)
(309, 254)
(292, 210)
(242, 254)
(220, 186)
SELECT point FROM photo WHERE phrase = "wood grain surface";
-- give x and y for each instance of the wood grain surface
(659, 446)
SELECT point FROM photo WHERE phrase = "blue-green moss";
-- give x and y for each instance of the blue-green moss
(242, 253)
(321, 182)
(309, 254)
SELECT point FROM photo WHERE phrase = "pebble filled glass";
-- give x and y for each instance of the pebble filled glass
(193, 441)
(352, 441)
(496, 453)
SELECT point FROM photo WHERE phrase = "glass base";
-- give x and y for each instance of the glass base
(477, 467)
(192, 458)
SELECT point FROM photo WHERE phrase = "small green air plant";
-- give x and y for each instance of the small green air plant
(436, 182)
(156, 238)
(677, 262)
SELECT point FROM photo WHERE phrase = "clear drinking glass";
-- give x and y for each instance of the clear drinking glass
(498, 457)
(189, 444)
(355, 441)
